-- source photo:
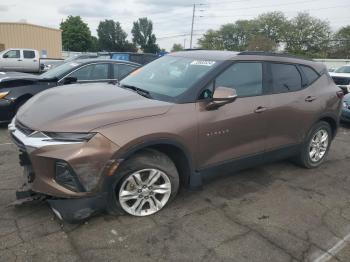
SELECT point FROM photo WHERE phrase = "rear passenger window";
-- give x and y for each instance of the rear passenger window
(310, 74)
(246, 78)
(28, 54)
(285, 78)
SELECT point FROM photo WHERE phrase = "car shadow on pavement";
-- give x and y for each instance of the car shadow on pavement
(345, 125)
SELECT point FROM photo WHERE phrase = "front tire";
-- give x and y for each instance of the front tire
(149, 182)
(316, 146)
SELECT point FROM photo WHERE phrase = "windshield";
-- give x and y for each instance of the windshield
(58, 70)
(343, 69)
(169, 76)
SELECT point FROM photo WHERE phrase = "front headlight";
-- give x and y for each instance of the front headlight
(3, 94)
(68, 137)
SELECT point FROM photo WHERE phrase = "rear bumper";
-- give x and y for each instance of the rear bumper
(7, 110)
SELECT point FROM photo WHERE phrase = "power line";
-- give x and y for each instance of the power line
(249, 15)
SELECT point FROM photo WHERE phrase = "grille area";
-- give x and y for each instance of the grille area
(24, 129)
(341, 80)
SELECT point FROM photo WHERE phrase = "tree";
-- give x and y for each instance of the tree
(230, 36)
(177, 47)
(261, 43)
(237, 36)
(308, 36)
(94, 44)
(143, 36)
(273, 25)
(111, 36)
(76, 35)
(341, 44)
(211, 40)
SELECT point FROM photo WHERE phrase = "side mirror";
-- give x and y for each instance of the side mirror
(5, 56)
(69, 80)
(222, 96)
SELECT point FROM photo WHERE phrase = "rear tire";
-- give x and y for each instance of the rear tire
(149, 182)
(316, 146)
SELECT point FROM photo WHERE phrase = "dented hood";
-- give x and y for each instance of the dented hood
(84, 107)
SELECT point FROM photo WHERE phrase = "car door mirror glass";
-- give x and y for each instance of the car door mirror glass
(69, 80)
(222, 96)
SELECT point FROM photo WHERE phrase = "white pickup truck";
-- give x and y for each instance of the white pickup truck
(21, 60)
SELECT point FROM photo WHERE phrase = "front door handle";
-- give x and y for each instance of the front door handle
(310, 98)
(19, 60)
(260, 109)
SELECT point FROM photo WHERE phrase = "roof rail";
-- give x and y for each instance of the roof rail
(263, 53)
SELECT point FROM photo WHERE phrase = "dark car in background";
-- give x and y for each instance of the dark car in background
(17, 88)
(345, 115)
(140, 58)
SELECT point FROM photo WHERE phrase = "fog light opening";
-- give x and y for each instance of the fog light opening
(66, 177)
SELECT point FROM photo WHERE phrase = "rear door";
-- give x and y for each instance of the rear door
(30, 61)
(293, 105)
(238, 129)
(11, 60)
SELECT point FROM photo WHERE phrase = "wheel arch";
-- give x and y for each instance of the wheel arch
(332, 120)
(177, 152)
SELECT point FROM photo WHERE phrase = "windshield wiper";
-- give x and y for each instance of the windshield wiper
(140, 91)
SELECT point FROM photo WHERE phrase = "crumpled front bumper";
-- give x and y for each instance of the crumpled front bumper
(91, 162)
(78, 209)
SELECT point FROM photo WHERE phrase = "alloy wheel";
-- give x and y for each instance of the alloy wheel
(318, 145)
(145, 192)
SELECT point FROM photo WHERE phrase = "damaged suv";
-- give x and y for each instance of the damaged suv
(177, 120)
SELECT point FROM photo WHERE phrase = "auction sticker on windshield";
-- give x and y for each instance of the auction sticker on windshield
(202, 63)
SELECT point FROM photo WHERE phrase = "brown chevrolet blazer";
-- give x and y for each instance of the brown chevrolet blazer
(128, 148)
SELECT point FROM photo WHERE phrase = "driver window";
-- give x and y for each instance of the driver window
(245, 77)
(91, 72)
(12, 54)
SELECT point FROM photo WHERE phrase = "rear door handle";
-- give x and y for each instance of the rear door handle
(260, 109)
(310, 98)
(19, 60)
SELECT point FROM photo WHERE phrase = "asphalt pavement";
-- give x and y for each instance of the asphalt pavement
(275, 212)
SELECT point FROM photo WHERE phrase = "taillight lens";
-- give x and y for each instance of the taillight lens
(340, 94)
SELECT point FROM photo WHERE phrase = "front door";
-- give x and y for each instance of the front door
(97, 72)
(238, 129)
(12, 60)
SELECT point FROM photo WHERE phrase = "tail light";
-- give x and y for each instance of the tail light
(340, 94)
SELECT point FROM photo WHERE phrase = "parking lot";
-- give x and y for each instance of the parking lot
(276, 212)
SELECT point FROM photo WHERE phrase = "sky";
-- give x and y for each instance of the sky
(171, 18)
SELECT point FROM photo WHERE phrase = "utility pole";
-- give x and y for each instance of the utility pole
(194, 11)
